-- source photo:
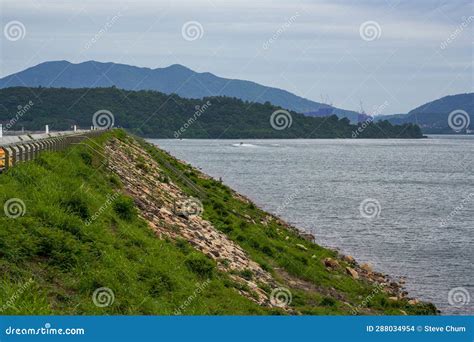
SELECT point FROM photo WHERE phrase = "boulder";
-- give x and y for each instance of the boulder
(349, 259)
(331, 263)
(352, 272)
(307, 236)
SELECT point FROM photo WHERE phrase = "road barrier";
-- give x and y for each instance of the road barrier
(21, 148)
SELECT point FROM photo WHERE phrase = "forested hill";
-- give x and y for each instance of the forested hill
(154, 114)
(176, 79)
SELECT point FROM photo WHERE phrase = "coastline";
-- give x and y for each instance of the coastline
(163, 238)
(380, 282)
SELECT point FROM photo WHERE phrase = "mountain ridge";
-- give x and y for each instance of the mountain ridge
(433, 116)
(175, 78)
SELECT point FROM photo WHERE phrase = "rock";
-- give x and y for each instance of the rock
(352, 272)
(413, 301)
(266, 220)
(331, 263)
(165, 212)
(299, 245)
(349, 259)
(307, 236)
(367, 267)
(393, 298)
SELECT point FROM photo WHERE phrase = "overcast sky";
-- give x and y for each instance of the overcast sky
(393, 55)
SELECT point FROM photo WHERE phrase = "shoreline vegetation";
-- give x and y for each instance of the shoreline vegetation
(153, 114)
(163, 238)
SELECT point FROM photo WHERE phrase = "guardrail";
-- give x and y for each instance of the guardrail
(16, 149)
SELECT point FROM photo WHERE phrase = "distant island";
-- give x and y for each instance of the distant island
(158, 115)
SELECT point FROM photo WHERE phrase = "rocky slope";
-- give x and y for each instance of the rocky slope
(158, 204)
(173, 213)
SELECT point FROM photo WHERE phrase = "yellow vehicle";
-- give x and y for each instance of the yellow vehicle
(2, 158)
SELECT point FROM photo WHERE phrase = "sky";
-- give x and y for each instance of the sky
(389, 55)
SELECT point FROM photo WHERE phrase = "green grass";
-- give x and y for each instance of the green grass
(68, 251)
(80, 233)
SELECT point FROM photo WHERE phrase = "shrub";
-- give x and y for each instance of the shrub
(160, 283)
(247, 274)
(77, 205)
(201, 265)
(115, 180)
(328, 301)
(267, 250)
(184, 246)
(125, 208)
(86, 156)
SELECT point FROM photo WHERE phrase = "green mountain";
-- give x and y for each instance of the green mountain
(433, 117)
(154, 114)
(175, 79)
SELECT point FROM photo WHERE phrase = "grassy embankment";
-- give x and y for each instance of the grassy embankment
(67, 258)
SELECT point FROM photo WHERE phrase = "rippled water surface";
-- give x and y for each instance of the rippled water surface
(422, 191)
